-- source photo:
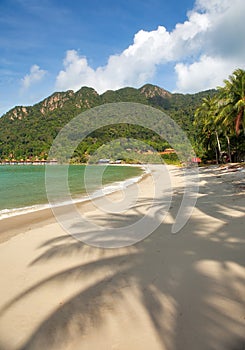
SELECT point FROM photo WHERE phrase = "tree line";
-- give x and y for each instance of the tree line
(220, 121)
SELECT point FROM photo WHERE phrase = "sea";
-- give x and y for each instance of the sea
(23, 187)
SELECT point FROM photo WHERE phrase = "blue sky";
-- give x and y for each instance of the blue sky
(180, 45)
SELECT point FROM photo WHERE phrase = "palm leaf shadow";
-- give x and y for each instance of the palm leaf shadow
(158, 274)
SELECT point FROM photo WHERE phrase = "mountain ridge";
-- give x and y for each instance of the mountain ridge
(58, 98)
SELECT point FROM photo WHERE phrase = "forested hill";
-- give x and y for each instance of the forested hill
(27, 132)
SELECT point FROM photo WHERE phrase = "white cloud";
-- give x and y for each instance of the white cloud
(205, 48)
(204, 74)
(36, 74)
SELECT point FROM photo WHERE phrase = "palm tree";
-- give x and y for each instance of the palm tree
(205, 119)
(232, 102)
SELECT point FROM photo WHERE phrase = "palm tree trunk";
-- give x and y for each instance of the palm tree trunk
(238, 121)
(216, 155)
(218, 143)
(229, 147)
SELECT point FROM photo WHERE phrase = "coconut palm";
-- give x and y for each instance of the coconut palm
(232, 102)
(205, 119)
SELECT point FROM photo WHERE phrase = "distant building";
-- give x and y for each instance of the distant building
(104, 161)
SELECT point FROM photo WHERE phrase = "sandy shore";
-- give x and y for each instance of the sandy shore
(183, 291)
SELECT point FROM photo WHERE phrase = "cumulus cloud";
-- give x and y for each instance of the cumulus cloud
(133, 66)
(204, 49)
(222, 47)
(204, 74)
(36, 74)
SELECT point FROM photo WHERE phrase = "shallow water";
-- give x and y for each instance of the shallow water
(22, 187)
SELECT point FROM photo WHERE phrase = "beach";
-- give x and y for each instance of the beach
(167, 291)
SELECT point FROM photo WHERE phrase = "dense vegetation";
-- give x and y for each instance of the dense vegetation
(220, 121)
(28, 132)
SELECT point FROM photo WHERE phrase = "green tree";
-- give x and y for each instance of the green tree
(232, 102)
(208, 130)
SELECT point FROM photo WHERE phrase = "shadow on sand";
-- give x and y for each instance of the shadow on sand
(189, 284)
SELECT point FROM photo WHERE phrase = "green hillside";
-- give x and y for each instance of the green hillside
(28, 132)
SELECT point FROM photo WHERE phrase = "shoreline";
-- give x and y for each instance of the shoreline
(13, 225)
(83, 197)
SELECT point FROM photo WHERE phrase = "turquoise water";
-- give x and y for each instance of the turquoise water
(24, 185)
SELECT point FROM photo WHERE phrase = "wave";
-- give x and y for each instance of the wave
(107, 189)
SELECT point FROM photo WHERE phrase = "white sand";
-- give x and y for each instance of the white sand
(173, 292)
